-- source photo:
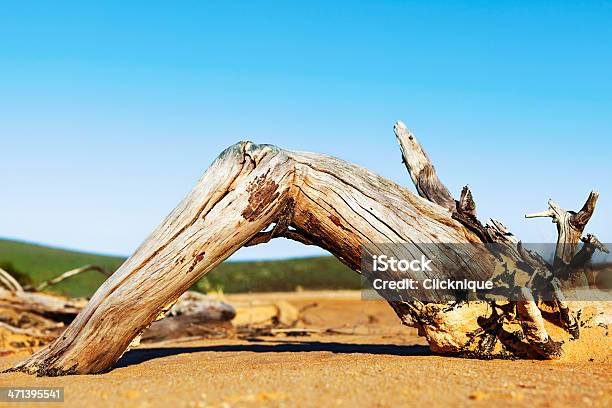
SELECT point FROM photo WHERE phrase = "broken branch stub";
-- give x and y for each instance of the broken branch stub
(421, 170)
(570, 226)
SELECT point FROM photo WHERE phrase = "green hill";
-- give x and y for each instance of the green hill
(37, 263)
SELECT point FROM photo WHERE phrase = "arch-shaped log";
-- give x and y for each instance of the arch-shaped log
(250, 194)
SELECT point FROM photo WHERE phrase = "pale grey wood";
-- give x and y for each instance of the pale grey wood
(71, 273)
(9, 282)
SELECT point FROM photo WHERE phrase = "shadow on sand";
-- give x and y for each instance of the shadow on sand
(138, 356)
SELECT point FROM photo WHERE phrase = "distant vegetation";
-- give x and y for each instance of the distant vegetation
(41, 263)
(33, 264)
(287, 275)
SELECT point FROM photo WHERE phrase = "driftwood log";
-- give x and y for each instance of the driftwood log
(254, 193)
(29, 319)
(32, 319)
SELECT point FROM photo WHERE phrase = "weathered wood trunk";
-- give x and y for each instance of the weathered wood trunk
(251, 194)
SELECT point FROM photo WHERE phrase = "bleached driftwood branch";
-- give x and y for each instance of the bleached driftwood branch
(71, 273)
(254, 193)
(9, 282)
(421, 170)
(570, 226)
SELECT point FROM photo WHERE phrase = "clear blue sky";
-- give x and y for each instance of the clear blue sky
(110, 112)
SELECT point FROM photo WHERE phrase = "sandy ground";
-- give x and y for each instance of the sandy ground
(374, 362)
